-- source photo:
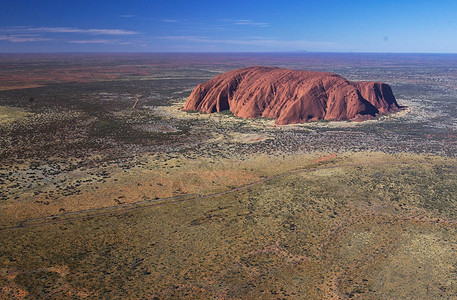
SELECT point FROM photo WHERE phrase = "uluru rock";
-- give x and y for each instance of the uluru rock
(291, 96)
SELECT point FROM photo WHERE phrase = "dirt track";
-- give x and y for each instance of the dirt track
(119, 209)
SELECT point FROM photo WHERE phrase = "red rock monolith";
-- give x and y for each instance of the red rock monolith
(291, 96)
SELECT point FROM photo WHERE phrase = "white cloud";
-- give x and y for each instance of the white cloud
(22, 34)
(251, 23)
(89, 42)
(93, 31)
(265, 43)
(170, 20)
(110, 31)
(78, 30)
(22, 39)
(107, 42)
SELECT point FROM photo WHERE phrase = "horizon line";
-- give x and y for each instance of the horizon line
(223, 52)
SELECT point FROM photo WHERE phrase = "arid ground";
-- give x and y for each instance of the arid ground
(102, 198)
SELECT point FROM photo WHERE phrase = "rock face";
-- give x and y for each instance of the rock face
(291, 96)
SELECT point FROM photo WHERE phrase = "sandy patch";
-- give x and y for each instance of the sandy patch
(158, 128)
(324, 158)
(244, 138)
(19, 87)
(11, 114)
(424, 258)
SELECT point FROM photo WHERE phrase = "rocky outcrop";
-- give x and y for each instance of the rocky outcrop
(291, 96)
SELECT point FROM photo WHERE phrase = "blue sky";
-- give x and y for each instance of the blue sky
(226, 26)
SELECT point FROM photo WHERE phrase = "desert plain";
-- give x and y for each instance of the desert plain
(110, 190)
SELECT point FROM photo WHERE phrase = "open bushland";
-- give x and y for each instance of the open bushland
(109, 190)
(366, 225)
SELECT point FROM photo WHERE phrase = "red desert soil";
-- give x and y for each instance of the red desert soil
(324, 158)
(291, 96)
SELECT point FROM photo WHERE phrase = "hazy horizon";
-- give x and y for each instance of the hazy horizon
(235, 52)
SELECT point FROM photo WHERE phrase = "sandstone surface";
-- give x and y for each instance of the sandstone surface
(291, 96)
